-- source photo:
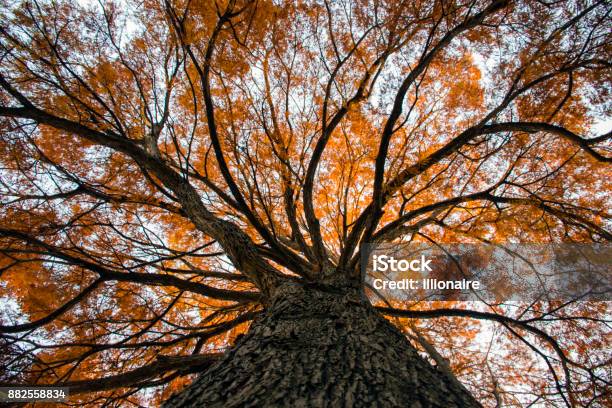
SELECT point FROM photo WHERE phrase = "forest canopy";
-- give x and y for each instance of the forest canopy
(167, 166)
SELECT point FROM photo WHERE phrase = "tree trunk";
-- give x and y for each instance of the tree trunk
(318, 347)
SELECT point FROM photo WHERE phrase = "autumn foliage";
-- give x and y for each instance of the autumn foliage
(165, 163)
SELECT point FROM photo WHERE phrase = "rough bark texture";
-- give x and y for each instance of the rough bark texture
(315, 347)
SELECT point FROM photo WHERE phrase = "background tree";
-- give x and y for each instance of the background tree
(175, 170)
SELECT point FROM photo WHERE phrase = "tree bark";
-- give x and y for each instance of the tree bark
(319, 346)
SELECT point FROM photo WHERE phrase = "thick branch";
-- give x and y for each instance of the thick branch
(143, 278)
(163, 364)
(292, 261)
(534, 127)
(240, 248)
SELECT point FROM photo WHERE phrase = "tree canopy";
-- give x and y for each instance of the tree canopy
(166, 164)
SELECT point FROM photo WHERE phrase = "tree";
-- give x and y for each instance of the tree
(187, 187)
